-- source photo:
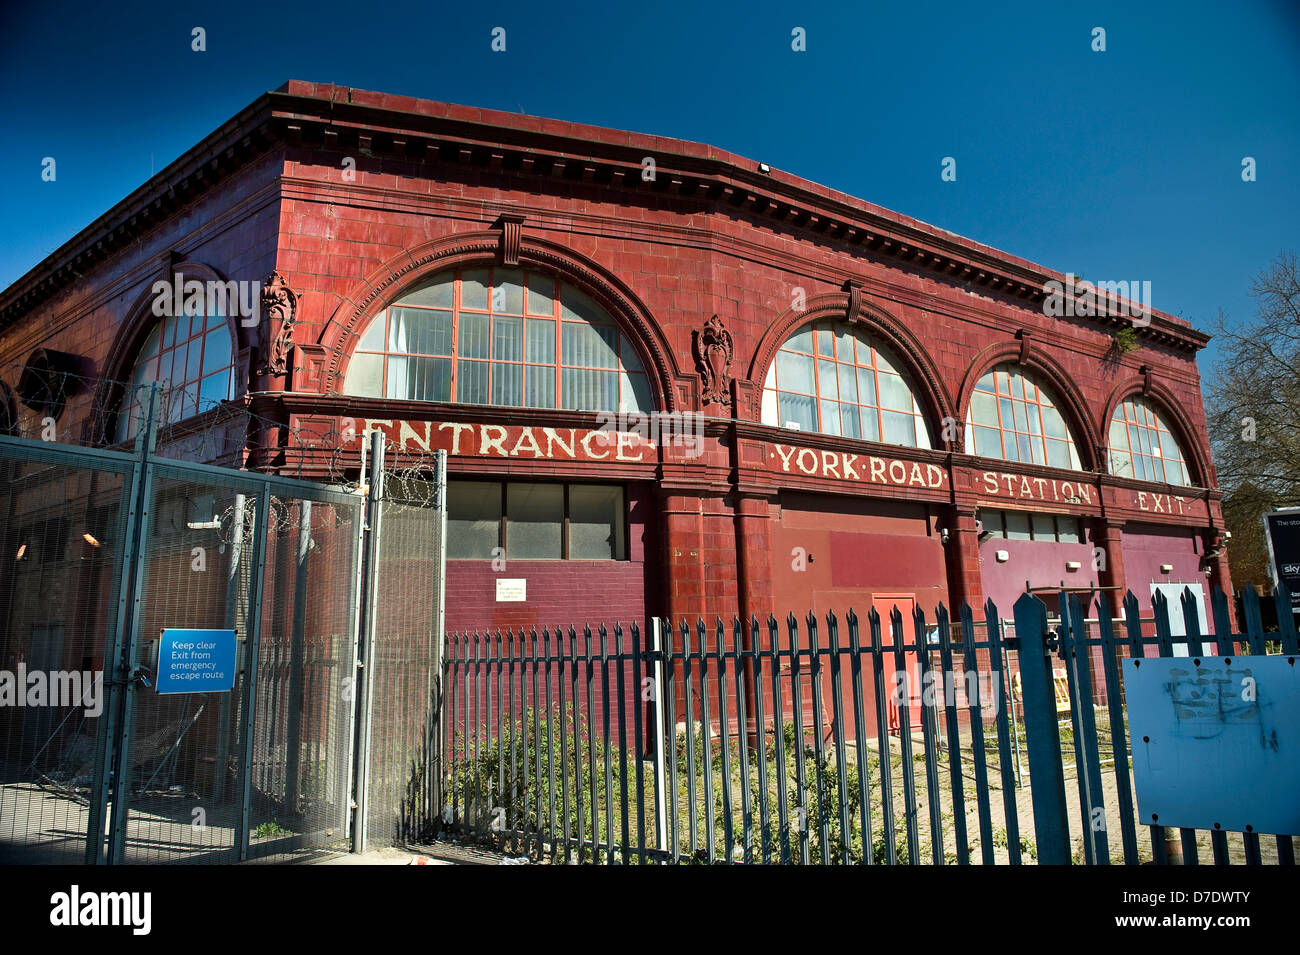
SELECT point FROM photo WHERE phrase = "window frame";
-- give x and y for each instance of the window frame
(126, 403)
(503, 528)
(1001, 531)
(879, 365)
(1045, 396)
(560, 315)
(1156, 426)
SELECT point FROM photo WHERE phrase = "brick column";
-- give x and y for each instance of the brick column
(962, 555)
(754, 556)
(681, 518)
(1219, 575)
(1109, 536)
(754, 581)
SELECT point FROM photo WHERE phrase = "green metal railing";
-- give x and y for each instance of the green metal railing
(765, 743)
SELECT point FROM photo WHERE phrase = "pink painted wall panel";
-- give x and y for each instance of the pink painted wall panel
(1146, 548)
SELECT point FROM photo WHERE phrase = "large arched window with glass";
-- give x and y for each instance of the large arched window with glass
(1143, 447)
(1012, 416)
(193, 357)
(499, 336)
(835, 378)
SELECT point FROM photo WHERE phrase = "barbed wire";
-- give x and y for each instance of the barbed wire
(85, 410)
(73, 408)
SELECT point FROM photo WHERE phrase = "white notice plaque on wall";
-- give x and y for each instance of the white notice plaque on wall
(512, 589)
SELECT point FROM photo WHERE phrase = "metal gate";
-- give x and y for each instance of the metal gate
(102, 551)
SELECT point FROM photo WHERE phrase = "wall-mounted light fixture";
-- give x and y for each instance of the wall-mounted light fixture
(1072, 565)
(1002, 556)
(1166, 568)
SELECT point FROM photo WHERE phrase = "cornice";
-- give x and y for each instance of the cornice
(989, 313)
(527, 146)
(381, 126)
(237, 143)
(184, 248)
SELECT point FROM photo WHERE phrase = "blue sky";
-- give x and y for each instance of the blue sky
(1117, 165)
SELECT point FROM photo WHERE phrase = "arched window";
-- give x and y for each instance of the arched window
(1014, 417)
(8, 411)
(194, 358)
(499, 337)
(1143, 447)
(833, 378)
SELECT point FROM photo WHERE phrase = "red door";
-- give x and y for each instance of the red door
(906, 603)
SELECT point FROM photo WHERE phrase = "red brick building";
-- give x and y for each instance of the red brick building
(890, 411)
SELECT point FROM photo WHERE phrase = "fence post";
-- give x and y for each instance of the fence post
(1046, 775)
(294, 729)
(1083, 721)
(121, 729)
(252, 643)
(363, 668)
(225, 706)
(438, 757)
(657, 628)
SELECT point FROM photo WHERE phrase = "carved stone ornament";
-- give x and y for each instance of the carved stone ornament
(280, 306)
(713, 349)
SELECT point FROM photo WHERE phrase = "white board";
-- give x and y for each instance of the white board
(512, 589)
(1216, 740)
(1177, 623)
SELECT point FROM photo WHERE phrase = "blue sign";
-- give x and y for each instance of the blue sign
(196, 661)
(1216, 742)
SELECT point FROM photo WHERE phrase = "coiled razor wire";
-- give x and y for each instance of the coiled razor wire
(83, 410)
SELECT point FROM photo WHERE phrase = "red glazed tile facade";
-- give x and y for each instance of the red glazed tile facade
(352, 197)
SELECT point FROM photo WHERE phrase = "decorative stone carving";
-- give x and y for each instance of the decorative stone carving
(511, 237)
(280, 306)
(854, 288)
(1026, 339)
(713, 348)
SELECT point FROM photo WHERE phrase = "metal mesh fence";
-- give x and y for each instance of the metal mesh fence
(61, 536)
(404, 661)
(280, 574)
(101, 551)
(113, 534)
